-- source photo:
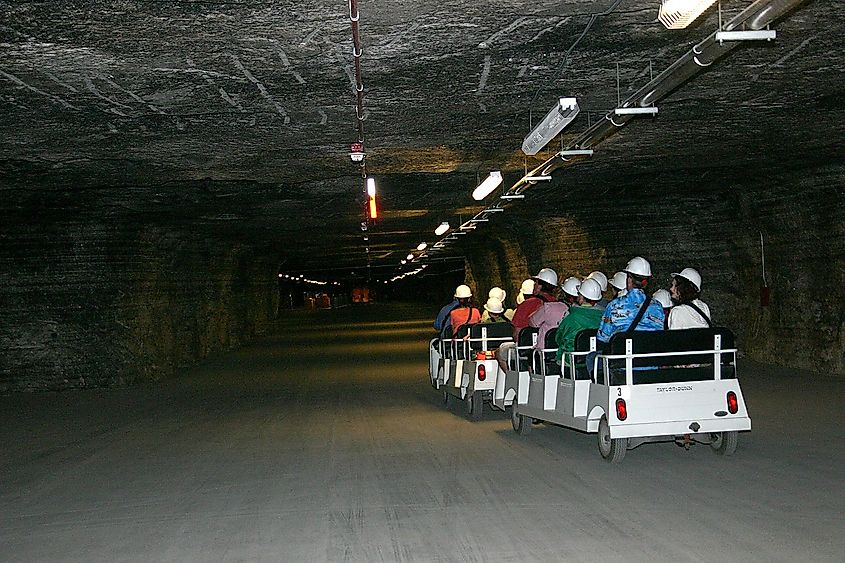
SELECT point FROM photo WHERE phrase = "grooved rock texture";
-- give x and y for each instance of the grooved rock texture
(92, 300)
(799, 212)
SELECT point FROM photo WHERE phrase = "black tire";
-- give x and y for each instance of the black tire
(521, 423)
(611, 449)
(474, 405)
(724, 443)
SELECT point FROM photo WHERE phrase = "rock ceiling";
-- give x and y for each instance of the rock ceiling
(236, 116)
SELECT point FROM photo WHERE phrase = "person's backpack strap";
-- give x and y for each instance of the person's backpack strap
(698, 310)
(640, 314)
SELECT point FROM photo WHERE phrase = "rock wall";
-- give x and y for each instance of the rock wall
(800, 214)
(95, 296)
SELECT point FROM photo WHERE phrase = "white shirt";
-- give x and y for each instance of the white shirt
(684, 316)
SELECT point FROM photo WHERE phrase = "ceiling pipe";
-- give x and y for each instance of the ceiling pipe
(756, 16)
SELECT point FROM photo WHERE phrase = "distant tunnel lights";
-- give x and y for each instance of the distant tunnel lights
(485, 188)
(558, 117)
(409, 257)
(444, 226)
(678, 14)
(422, 246)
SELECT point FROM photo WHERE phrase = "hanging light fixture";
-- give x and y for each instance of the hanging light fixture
(485, 188)
(442, 228)
(422, 246)
(372, 209)
(409, 257)
(678, 14)
(558, 117)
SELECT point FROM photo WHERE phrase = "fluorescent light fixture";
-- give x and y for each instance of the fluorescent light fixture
(558, 117)
(444, 226)
(371, 187)
(513, 196)
(759, 35)
(678, 14)
(494, 209)
(485, 188)
(636, 111)
(422, 246)
(456, 233)
(576, 152)
(479, 220)
(542, 178)
(409, 257)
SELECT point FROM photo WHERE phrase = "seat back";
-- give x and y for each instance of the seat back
(696, 365)
(487, 336)
(525, 341)
(458, 347)
(582, 348)
(550, 366)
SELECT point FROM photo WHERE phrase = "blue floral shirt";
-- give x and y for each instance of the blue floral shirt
(620, 313)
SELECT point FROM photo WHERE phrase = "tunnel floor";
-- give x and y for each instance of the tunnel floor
(325, 442)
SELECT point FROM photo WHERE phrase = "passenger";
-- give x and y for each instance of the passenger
(440, 321)
(689, 311)
(495, 312)
(586, 314)
(602, 279)
(570, 290)
(618, 281)
(499, 294)
(524, 310)
(527, 290)
(551, 311)
(633, 311)
(464, 313)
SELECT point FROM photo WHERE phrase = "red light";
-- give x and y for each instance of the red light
(733, 404)
(482, 372)
(621, 409)
(373, 211)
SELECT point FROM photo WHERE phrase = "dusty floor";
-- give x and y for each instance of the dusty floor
(326, 443)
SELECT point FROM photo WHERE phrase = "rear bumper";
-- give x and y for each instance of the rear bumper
(679, 428)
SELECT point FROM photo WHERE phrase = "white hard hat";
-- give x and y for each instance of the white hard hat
(547, 275)
(639, 267)
(599, 277)
(463, 291)
(494, 305)
(527, 288)
(619, 280)
(590, 289)
(570, 286)
(692, 275)
(662, 296)
(498, 293)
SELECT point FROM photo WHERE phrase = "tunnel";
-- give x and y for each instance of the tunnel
(228, 226)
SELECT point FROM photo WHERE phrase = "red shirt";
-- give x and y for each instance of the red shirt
(527, 308)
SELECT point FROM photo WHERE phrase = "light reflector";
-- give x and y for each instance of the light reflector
(485, 188)
(558, 117)
(678, 14)
(444, 226)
